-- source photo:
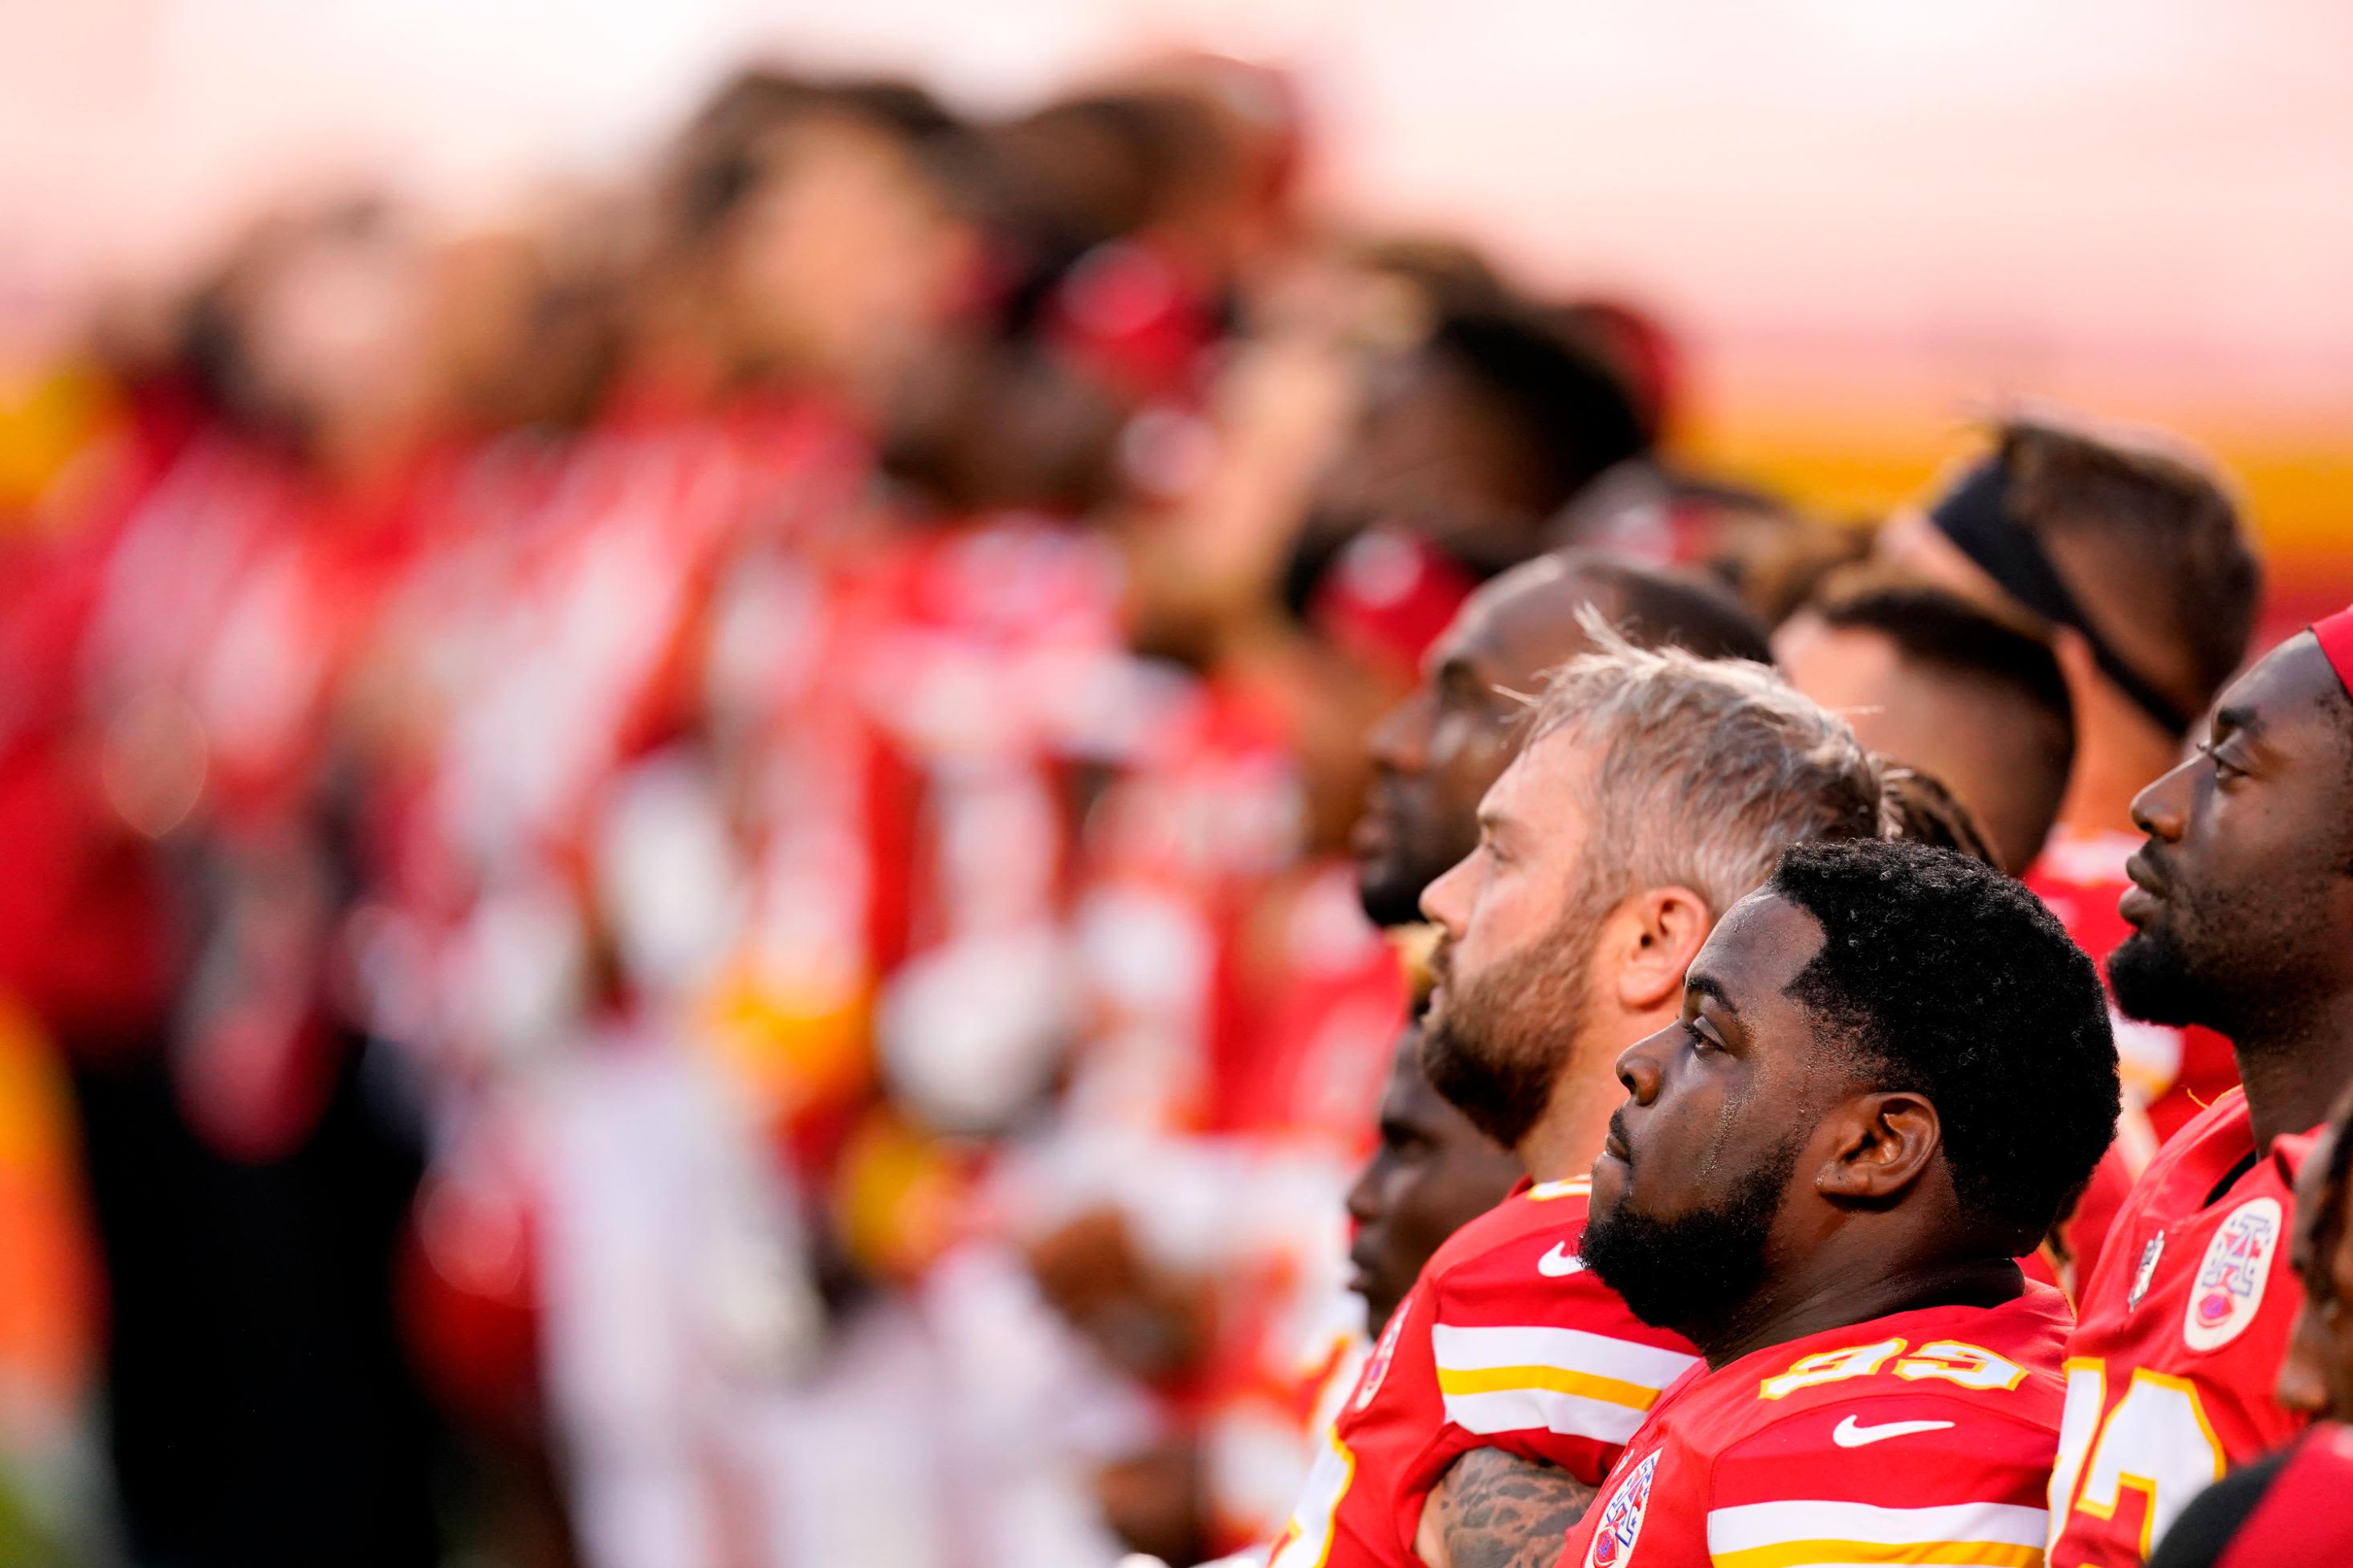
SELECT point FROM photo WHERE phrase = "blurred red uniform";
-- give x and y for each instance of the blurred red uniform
(2170, 1374)
(1923, 1437)
(1505, 1342)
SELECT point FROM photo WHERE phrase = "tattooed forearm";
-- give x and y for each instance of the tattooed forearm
(1494, 1510)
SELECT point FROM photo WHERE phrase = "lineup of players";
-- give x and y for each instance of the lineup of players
(692, 861)
(1813, 1118)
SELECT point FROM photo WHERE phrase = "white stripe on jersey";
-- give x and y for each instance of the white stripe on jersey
(1821, 1532)
(1571, 1349)
(1563, 1380)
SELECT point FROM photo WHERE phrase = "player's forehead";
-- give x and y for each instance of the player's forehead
(1755, 952)
(1539, 797)
(1517, 626)
(2287, 698)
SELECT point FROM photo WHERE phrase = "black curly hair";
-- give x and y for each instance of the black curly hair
(1951, 981)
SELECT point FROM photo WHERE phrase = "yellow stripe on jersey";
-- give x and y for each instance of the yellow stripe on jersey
(1811, 1534)
(1871, 1553)
(1494, 1379)
(1584, 1384)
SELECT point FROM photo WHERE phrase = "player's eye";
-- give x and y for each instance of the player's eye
(1698, 1037)
(2224, 769)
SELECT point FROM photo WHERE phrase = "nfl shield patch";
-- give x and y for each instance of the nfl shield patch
(2228, 1290)
(1622, 1522)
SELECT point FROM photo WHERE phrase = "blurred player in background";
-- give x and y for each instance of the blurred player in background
(1436, 754)
(1821, 1175)
(2243, 920)
(1929, 681)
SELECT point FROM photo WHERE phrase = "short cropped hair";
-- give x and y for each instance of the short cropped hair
(2160, 519)
(1947, 979)
(1940, 630)
(1918, 808)
(1659, 604)
(1703, 768)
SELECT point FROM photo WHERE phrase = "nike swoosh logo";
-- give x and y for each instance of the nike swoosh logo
(1559, 1261)
(1847, 1434)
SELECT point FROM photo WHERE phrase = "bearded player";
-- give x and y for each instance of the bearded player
(1821, 1175)
(1653, 790)
(2242, 918)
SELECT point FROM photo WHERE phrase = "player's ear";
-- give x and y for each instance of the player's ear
(1657, 933)
(1881, 1145)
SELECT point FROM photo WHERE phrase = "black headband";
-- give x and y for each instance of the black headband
(1975, 515)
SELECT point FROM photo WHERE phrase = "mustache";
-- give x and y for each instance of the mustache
(1617, 1134)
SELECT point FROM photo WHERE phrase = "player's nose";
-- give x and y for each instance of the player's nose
(1640, 1067)
(2162, 809)
(1445, 903)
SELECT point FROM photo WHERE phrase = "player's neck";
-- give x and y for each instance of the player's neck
(1567, 1138)
(1825, 1295)
(1570, 1133)
(2116, 757)
(2294, 1067)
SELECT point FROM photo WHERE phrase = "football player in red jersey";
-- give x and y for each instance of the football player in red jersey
(1820, 1177)
(1653, 788)
(2242, 912)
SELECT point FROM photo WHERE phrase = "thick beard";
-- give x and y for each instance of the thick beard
(1699, 1269)
(1502, 1040)
(2150, 976)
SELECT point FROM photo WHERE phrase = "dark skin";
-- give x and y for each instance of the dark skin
(1868, 1224)
(2246, 874)
(1437, 753)
(2316, 1374)
(1432, 1173)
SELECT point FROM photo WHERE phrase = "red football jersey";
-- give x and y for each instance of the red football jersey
(1505, 1342)
(2170, 1372)
(1923, 1437)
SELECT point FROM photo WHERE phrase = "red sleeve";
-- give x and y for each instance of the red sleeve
(1912, 1478)
(1551, 1368)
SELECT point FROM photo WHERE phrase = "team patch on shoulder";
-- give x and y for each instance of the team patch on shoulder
(2228, 1290)
(1622, 1522)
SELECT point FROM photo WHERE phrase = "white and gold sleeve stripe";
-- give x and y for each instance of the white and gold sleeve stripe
(1562, 1380)
(1807, 1535)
